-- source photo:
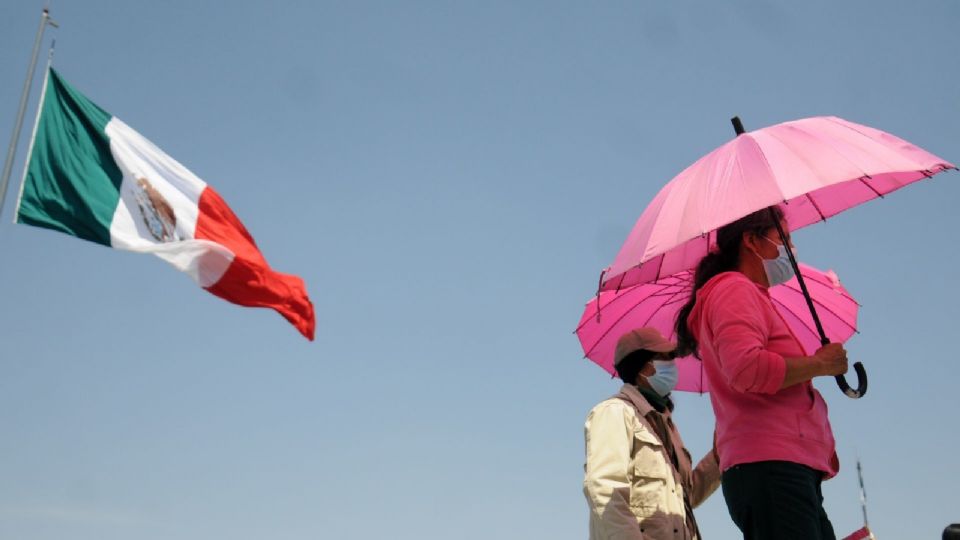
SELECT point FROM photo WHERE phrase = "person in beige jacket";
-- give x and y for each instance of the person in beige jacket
(639, 479)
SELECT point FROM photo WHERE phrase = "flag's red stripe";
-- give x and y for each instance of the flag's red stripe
(858, 535)
(249, 281)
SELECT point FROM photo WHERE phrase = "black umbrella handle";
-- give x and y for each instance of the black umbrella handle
(861, 382)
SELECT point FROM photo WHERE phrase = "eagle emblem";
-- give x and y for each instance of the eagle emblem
(156, 212)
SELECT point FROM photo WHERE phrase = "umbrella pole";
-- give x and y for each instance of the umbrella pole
(857, 366)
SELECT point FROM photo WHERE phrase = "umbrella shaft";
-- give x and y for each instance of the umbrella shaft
(738, 128)
(803, 286)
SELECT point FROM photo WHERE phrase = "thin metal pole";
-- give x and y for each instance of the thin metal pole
(863, 496)
(24, 97)
(36, 125)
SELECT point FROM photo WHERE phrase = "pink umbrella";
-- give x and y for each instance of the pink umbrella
(817, 167)
(656, 304)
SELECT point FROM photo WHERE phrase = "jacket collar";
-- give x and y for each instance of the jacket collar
(630, 393)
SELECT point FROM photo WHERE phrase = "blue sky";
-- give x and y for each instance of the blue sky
(449, 178)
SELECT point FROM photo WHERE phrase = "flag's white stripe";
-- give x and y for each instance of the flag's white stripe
(144, 157)
(204, 261)
(154, 185)
(139, 158)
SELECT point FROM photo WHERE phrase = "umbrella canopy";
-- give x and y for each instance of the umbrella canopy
(818, 167)
(613, 313)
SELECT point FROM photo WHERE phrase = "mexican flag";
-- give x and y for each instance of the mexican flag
(91, 176)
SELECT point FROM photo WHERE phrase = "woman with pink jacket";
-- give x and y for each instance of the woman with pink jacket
(773, 434)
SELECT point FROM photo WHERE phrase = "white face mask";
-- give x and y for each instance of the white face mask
(665, 379)
(778, 270)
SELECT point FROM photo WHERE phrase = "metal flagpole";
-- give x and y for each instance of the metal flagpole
(36, 124)
(24, 97)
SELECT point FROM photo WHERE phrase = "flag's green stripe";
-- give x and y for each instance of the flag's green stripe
(72, 183)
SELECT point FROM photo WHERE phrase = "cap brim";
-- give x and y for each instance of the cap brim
(662, 347)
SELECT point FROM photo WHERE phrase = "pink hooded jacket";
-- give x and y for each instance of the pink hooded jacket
(743, 341)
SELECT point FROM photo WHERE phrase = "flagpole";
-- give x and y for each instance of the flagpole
(33, 134)
(24, 97)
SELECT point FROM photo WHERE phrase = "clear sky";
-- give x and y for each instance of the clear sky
(449, 178)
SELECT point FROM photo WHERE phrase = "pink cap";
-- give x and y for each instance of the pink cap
(649, 339)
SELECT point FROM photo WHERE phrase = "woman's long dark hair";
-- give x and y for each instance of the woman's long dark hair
(724, 258)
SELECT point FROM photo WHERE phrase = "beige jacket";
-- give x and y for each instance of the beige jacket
(633, 489)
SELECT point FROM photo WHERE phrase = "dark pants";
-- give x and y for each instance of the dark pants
(776, 500)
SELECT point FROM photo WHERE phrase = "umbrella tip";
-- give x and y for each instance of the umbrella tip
(737, 125)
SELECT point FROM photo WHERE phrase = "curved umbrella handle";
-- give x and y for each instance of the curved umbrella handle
(861, 382)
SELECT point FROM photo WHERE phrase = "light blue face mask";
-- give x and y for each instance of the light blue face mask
(665, 379)
(778, 270)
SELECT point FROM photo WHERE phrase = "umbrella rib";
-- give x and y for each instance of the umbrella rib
(801, 328)
(701, 376)
(623, 276)
(825, 144)
(922, 171)
(831, 148)
(770, 172)
(875, 192)
(610, 328)
(672, 301)
(626, 294)
(815, 206)
(765, 162)
(819, 305)
(661, 307)
(816, 279)
(680, 281)
(843, 293)
(628, 312)
(869, 137)
(617, 296)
